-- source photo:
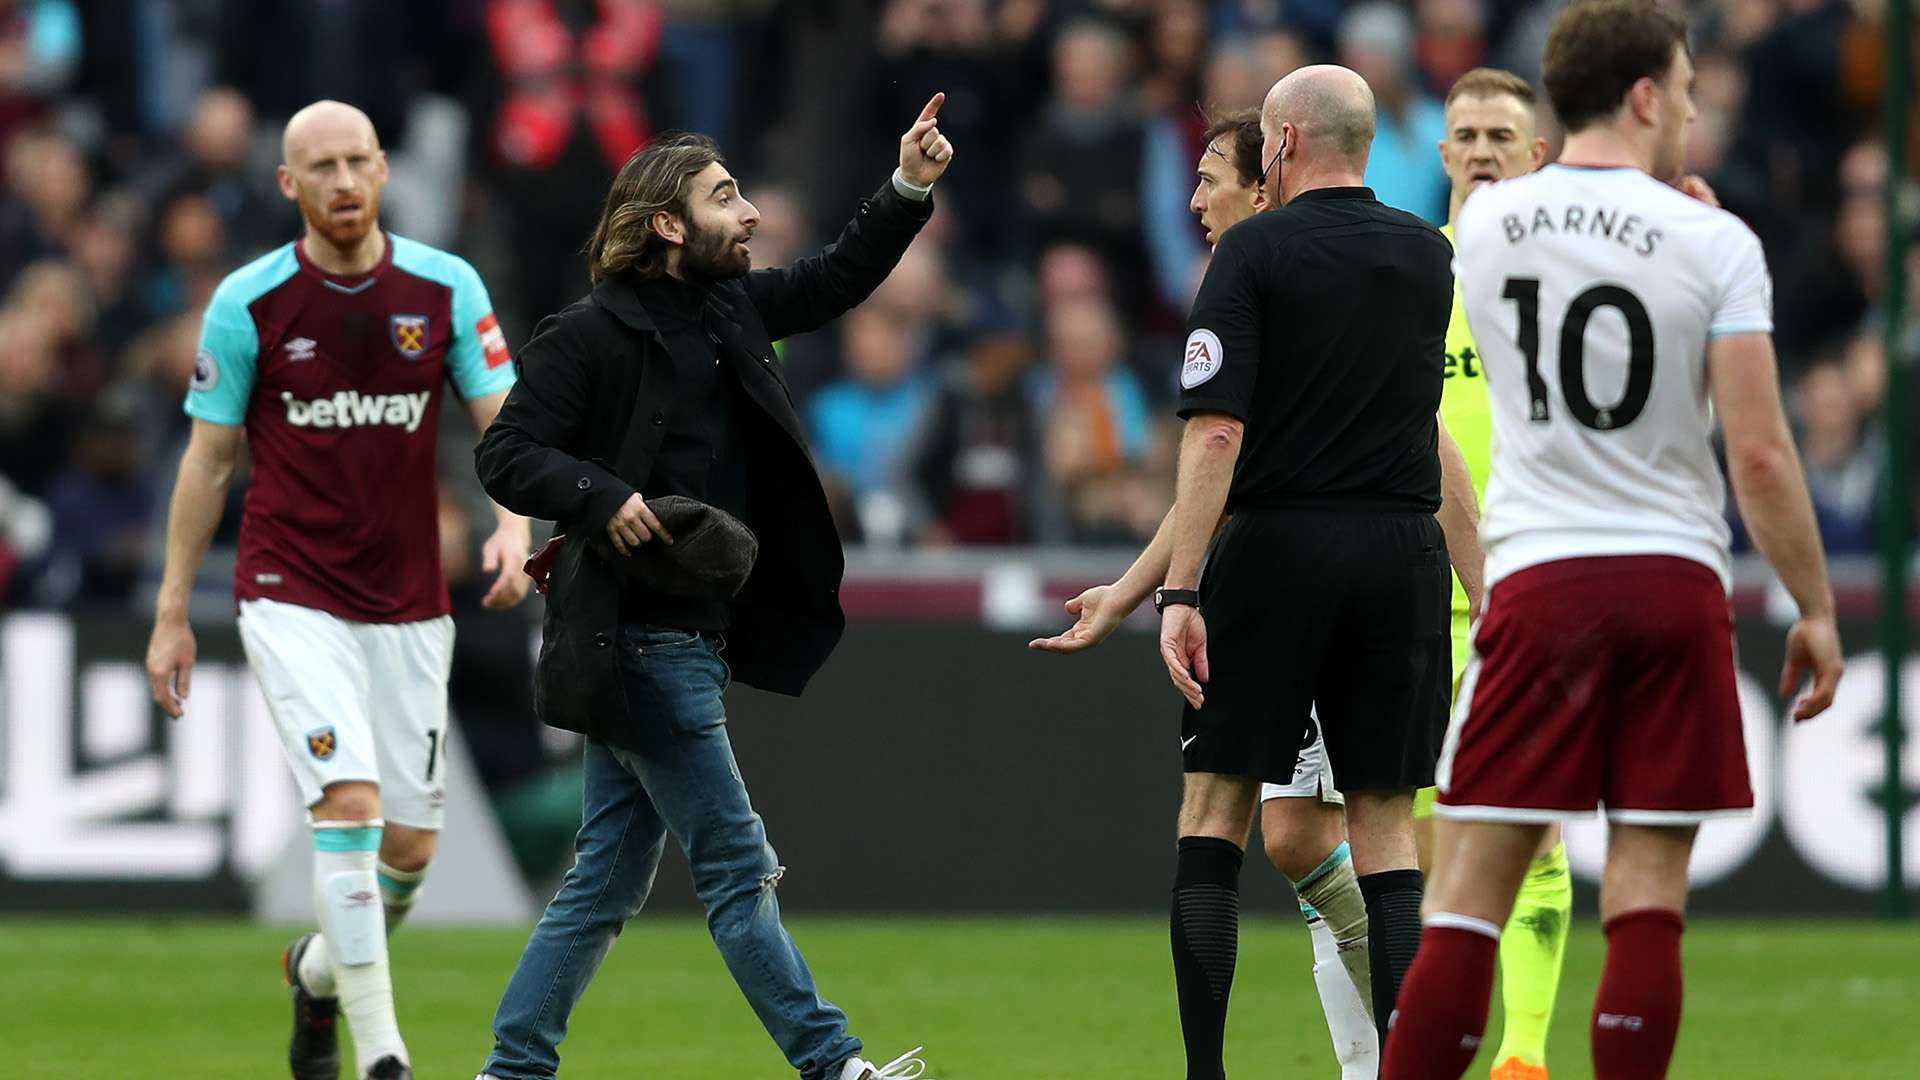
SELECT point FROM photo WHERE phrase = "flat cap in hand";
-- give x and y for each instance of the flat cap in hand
(711, 555)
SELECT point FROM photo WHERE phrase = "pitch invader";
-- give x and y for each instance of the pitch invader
(1491, 136)
(328, 355)
(1617, 317)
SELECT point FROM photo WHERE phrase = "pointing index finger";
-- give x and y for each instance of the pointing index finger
(933, 106)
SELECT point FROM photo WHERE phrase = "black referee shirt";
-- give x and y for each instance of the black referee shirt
(1322, 326)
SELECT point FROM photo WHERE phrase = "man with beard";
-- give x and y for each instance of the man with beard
(328, 354)
(662, 381)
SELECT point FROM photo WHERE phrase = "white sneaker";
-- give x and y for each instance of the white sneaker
(904, 1067)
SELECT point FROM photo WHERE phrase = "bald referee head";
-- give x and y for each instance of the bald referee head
(1316, 127)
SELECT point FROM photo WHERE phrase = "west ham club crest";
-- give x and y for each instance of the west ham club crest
(321, 742)
(409, 333)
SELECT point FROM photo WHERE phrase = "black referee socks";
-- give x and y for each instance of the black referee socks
(1393, 926)
(1206, 943)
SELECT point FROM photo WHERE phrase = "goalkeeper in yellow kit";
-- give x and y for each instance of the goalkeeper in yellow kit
(1490, 137)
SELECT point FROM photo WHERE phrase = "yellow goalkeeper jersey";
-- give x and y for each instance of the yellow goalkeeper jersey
(1466, 408)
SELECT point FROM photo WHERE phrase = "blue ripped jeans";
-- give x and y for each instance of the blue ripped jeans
(683, 779)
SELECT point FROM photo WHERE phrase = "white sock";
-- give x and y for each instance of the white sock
(1336, 914)
(1356, 1045)
(398, 889)
(1334, 892)
(347, 896)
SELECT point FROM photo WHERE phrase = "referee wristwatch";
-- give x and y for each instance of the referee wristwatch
(1164, 598)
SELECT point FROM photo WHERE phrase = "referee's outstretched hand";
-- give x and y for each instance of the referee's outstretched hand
(1096, 614)
(1183, 645)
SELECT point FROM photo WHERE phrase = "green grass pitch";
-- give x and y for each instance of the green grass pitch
(992, 999)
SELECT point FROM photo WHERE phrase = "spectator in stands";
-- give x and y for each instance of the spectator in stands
(862, 425)
(953, 46)
(100, 511)
(1841, 455)
(39, 47)
(105, 250)
(56, 293)
(48, 186)
(1079, 173)
(159, 363)
(1719, 87)
(1277, 53)
(1449, 42)
(189, 239)
(36, 426)
(1095, 424)
(559, 101)
(974, 458)
(1376, 40)
(1069, 272)
(1176, 57)
(213, 161)
(1829, 273)
(1801, 116)
(1860, 224)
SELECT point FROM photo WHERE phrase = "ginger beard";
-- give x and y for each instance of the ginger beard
(343, 219)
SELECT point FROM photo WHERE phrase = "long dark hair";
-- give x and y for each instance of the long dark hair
(656, 178)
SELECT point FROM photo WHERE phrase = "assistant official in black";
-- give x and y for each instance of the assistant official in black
(1309, 479)
(663, 382)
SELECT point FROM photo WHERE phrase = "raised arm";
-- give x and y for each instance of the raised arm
(820, 288)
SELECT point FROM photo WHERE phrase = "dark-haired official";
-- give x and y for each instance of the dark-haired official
(663, 382)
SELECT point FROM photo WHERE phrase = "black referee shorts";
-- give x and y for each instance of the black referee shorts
(1344, 610)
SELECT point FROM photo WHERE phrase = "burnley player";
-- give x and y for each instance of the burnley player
(1491, 136)
(1617, 318)
(328, 355)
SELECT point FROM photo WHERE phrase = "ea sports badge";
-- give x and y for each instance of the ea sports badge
(320, 743)
(409, 333)
(1203, 358)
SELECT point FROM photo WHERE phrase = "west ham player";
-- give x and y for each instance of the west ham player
(1491, 136)
(1617, 318)
(329, 354)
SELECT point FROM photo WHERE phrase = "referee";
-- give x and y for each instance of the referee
(1310, 386)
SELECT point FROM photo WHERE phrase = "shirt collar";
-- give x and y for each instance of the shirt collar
(1335, 193)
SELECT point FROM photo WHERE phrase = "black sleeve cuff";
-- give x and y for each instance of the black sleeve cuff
(1189, 405)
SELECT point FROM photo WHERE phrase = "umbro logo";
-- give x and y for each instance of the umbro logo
(301, 348)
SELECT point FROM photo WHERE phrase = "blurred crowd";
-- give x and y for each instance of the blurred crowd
(1009, 385)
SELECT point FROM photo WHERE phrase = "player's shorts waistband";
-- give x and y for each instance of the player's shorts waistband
(1334, 504)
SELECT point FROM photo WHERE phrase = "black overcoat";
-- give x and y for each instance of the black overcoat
(554, 453)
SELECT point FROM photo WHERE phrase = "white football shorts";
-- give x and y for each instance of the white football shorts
(1312, 774)
(357, 701)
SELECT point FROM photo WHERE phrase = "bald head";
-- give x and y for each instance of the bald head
(332, 166)
(326, 123)
(1331, 107)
